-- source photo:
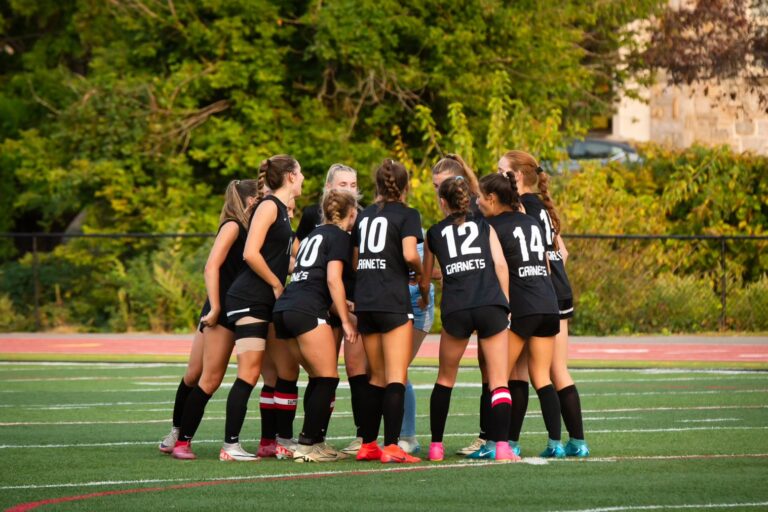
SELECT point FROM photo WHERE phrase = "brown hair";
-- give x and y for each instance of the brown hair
(391, 180)
(455, 191)
(337, 204)
(236, 201)
(524, 163)
(272, 172)
(504, 186)
(456, 165)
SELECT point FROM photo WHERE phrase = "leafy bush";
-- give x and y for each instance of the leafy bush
(747, 307)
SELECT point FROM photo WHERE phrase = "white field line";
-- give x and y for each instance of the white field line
(469, 435)
(33, 366)
(530, 460)
(688, 506)
(176, 377)
(708, 420)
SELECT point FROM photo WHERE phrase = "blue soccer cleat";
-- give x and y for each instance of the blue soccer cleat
(487, 451)
(515, 445)
(554, 450)
(577, 448)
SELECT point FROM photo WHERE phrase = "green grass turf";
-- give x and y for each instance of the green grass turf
(658, 438)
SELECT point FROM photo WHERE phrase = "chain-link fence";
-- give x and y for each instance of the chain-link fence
(622, 284)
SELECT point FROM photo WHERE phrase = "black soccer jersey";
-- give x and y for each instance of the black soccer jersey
(536, 209)
(311, 217)
(233, 264)
(464, 253)
(382, 274)
(530, 288)
(308, 290)
(276, 250)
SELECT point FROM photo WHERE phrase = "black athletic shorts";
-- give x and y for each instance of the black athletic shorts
(235, 309)
(541, 326)
(486, 320)
(566, 308)
(292, 324)
(370, 322)
(334, 321)
(222, 320)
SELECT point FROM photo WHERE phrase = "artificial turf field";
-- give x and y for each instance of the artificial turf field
(672, 439)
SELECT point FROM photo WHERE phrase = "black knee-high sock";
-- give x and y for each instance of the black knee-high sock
(519, 391)
(357, 386)
(370, 412)
(439, 403)
(308, 393)
(330, 413)
(194, 408)
(286, 399)
(501, 410)
(550, 409)
(237, 406)
(267, 412)
(317, 409)
(570, 408)
(394, 408)
(182, 393)
(485, 410)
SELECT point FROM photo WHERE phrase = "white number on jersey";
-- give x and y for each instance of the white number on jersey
(535, 246)
(466, 246)
(373, 240)
(308, 249)
(544, 216)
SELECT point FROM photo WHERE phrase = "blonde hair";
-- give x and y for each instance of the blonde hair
(236, 201)
(337, 204)
(456, 165)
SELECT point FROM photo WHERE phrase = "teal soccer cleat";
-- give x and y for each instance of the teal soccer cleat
(487, 451)
(577, 448)
(515, 445)
(554, 450)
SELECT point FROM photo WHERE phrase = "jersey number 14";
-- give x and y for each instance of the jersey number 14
(535, 243)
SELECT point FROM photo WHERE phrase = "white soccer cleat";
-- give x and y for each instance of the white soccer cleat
(285, 448)
(409, 445)
(472, 448)
(312, 453)
(331, 451)
(235, 452)
(353, 447)
(169, 441)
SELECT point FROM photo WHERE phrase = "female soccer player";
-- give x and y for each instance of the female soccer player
(530, 178)
(251, 298)
(475, 290)
(213, 342)
(342, 177)
(301, 317)
(449, 166)
(385, 238)
(534, 320)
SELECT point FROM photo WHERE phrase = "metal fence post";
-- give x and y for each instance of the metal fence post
(36, 278)
(722, 284)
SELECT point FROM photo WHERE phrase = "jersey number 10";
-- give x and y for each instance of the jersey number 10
(373, 240)
(308, 249)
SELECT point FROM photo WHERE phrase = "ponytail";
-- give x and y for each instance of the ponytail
(455, 192)
(391, 180)
(236, 201)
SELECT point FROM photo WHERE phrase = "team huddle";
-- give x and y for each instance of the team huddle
(363, 279)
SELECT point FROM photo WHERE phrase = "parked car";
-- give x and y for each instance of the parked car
(595, 150)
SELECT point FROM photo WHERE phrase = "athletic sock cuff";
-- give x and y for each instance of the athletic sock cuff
(501, 396)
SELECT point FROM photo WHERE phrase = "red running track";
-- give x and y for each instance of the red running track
(671, 348)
